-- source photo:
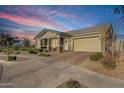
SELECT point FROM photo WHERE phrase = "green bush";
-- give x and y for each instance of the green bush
(99, 55)
(96, 57)
(11, 58)
(73, 84)
(93, 58)
(2, 49)
(45, 50)
(16, 48)
(24, 49)
(32, 51)
(10, 52)
(17, 52)
(109, 62)
(44, 54)
(40, 50)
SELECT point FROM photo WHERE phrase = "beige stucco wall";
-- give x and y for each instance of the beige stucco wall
(71, 44)
(54, 42)
(49, 34)
(37, 43)
(46, 35)
(89, 44)
(78, 43)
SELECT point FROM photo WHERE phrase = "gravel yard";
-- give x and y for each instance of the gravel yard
(53, 71)
(118, 72)
(75, 58)
(82, 60)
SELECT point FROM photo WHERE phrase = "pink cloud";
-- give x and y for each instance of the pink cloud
(57, 13)
(65, 15)
(50, 23)
(22, 35)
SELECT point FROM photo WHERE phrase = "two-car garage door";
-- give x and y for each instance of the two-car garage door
(87, 44)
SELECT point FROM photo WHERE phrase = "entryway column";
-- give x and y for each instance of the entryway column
(59, 43)
(38, 43)
(48, 44)
(43, 43)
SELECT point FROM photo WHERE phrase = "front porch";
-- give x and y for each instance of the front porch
(53, 40)
(52, 43)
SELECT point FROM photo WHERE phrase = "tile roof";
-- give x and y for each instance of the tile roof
(95, 29)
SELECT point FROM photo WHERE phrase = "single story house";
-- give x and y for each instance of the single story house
(86, 40)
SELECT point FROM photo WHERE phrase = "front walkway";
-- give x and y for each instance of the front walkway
(44, 72)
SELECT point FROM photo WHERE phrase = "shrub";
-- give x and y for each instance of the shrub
(32, 51)
(73, 84)
(44, 54)
(35, 51)
(16, 48)
(93, 58)
(96, 57)
(2, 49)
(109, 62)
(99, 55)
(10, 52)
(11, 58)
(24, 49)
(45, 50)
(17, 52)
(40, 50)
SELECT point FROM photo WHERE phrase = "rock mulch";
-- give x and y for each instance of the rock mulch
(72, 84)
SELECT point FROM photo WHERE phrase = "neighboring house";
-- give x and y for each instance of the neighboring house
(86, 40)
(120, 42)
(18, 43)
(120, 45)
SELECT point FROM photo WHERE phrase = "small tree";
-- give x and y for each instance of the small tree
(119, 10)
(112, 56)
(6, 40)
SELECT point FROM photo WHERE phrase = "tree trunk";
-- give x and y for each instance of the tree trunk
(118, 56)
(120, 46)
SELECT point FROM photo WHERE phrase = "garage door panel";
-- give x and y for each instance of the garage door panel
(87, 44)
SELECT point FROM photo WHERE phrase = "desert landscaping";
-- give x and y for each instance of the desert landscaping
(55, 69)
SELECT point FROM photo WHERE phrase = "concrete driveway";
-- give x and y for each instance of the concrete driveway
(46, 73)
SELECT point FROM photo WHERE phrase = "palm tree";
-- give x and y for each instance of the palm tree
(6, 40)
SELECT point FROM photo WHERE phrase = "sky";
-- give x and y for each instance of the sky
(28, 21)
